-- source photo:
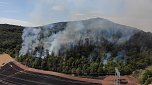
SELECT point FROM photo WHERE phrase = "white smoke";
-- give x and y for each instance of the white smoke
(135, 13)
(36, 37)
(93, 29)
(107, 57)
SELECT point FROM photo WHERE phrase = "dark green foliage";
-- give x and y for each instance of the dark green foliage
(78, 60)
(82, 65)
(148, 81)
(83, 59)
(10, 39)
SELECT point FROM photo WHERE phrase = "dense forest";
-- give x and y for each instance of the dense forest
(77, 60)
(10, 39)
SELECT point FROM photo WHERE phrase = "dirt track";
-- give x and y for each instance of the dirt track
(10, 74)
(109, 80)
(57, 74)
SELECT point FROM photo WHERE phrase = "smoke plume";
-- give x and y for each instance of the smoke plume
(53, 37)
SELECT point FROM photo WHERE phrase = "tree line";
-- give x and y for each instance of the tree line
(10, 39)
(83, 59)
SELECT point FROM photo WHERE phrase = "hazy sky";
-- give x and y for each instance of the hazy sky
(136, 13)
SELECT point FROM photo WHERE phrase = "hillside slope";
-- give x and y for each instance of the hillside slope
(10, 39)
(89, 47)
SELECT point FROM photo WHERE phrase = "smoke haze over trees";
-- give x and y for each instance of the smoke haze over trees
(85, 52)
(55, 36)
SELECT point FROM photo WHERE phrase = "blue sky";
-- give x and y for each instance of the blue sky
(136, 13)
(15, 9)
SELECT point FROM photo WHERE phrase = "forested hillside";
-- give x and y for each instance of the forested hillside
(84, 59)
(78, 61)
(10, 39)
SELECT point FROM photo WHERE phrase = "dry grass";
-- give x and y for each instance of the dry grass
(4, 59)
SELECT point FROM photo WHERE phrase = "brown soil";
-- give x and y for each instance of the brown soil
(108, 80)
(4, 59)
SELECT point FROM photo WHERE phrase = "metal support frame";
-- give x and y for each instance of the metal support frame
(117, 77)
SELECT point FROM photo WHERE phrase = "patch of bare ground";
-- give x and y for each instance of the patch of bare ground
(108, 80)
(4, 59)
